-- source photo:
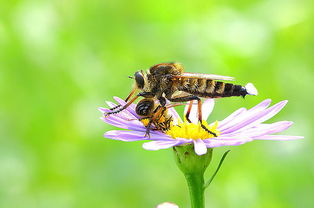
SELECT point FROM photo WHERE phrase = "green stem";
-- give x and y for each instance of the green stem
(196, 189)
(193, 167)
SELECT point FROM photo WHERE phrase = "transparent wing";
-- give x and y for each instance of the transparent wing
(204, 76)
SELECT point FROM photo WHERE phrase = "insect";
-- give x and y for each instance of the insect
(153, 115)
(169, 81)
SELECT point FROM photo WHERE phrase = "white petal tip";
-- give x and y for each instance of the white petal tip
(251, 90)
(200, 147)
(167, 205)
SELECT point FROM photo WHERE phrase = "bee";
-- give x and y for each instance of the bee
(168, 81)
(153, 115)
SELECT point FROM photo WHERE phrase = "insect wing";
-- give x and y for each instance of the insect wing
(203, 76)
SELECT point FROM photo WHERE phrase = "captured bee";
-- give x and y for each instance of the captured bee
(153, 115)
(169, 81)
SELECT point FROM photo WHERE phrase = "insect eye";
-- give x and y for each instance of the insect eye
(139, 79)
(144, 107)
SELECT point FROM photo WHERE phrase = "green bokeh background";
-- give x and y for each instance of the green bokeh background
(60, 60)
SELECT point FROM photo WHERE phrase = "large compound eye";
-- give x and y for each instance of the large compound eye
(139, 79)
(144, 107)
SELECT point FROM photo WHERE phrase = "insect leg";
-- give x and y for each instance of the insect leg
(199, 108)
(189, 111)
(160, 110)
(162, 101)
(146, 94)
(124, 107)
(143, 94)
(126, 99)
(148, 129)
(184, 99)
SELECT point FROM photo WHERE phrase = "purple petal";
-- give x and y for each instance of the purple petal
(255, 117)
(127, 136)
(231, 117)
(227, 142)
(111, 104)
(264, 129)
(135, 135)
(122, 102)
(124, 124)
(125, 114)
(103, 110)
(248, 114)
(207, 108)
(262, 105)
(278, 137)
(227, 138)
(130, 109)
(157, 145)
(199, 147)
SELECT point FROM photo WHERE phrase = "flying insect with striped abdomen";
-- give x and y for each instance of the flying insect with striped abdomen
(169, 81)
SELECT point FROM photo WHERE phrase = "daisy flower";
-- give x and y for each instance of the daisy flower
(241, 126)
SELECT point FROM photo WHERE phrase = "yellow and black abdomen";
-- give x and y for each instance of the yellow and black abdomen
(211, 88)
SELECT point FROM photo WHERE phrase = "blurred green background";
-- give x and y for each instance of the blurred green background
(60, 60)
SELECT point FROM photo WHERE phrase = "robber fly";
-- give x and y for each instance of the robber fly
(169, 81)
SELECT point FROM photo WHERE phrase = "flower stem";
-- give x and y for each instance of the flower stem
(196, 189)
(193, 167)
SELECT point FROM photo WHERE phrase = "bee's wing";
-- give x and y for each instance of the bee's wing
(203, 76)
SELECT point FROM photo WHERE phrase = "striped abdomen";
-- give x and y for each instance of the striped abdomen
(211, 88)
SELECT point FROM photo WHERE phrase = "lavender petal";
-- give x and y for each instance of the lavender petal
(278, 137)
(125, 114)
(127, 136)
(130, 109)
(255, 118)
(227, 142)
(103, 110)
(111, 104)
(265, 129)
(248, 114)
(124, 124)
(233, 115)
(157, 145)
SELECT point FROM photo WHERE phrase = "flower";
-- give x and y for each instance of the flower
(167, 205)
(243, 125)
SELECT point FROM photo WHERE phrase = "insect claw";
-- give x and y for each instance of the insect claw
(113, 108)
(147, 135)
(204, 127)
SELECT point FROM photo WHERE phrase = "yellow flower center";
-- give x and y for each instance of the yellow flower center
(193, 131)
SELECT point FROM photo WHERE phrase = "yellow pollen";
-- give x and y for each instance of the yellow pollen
(193, 131)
